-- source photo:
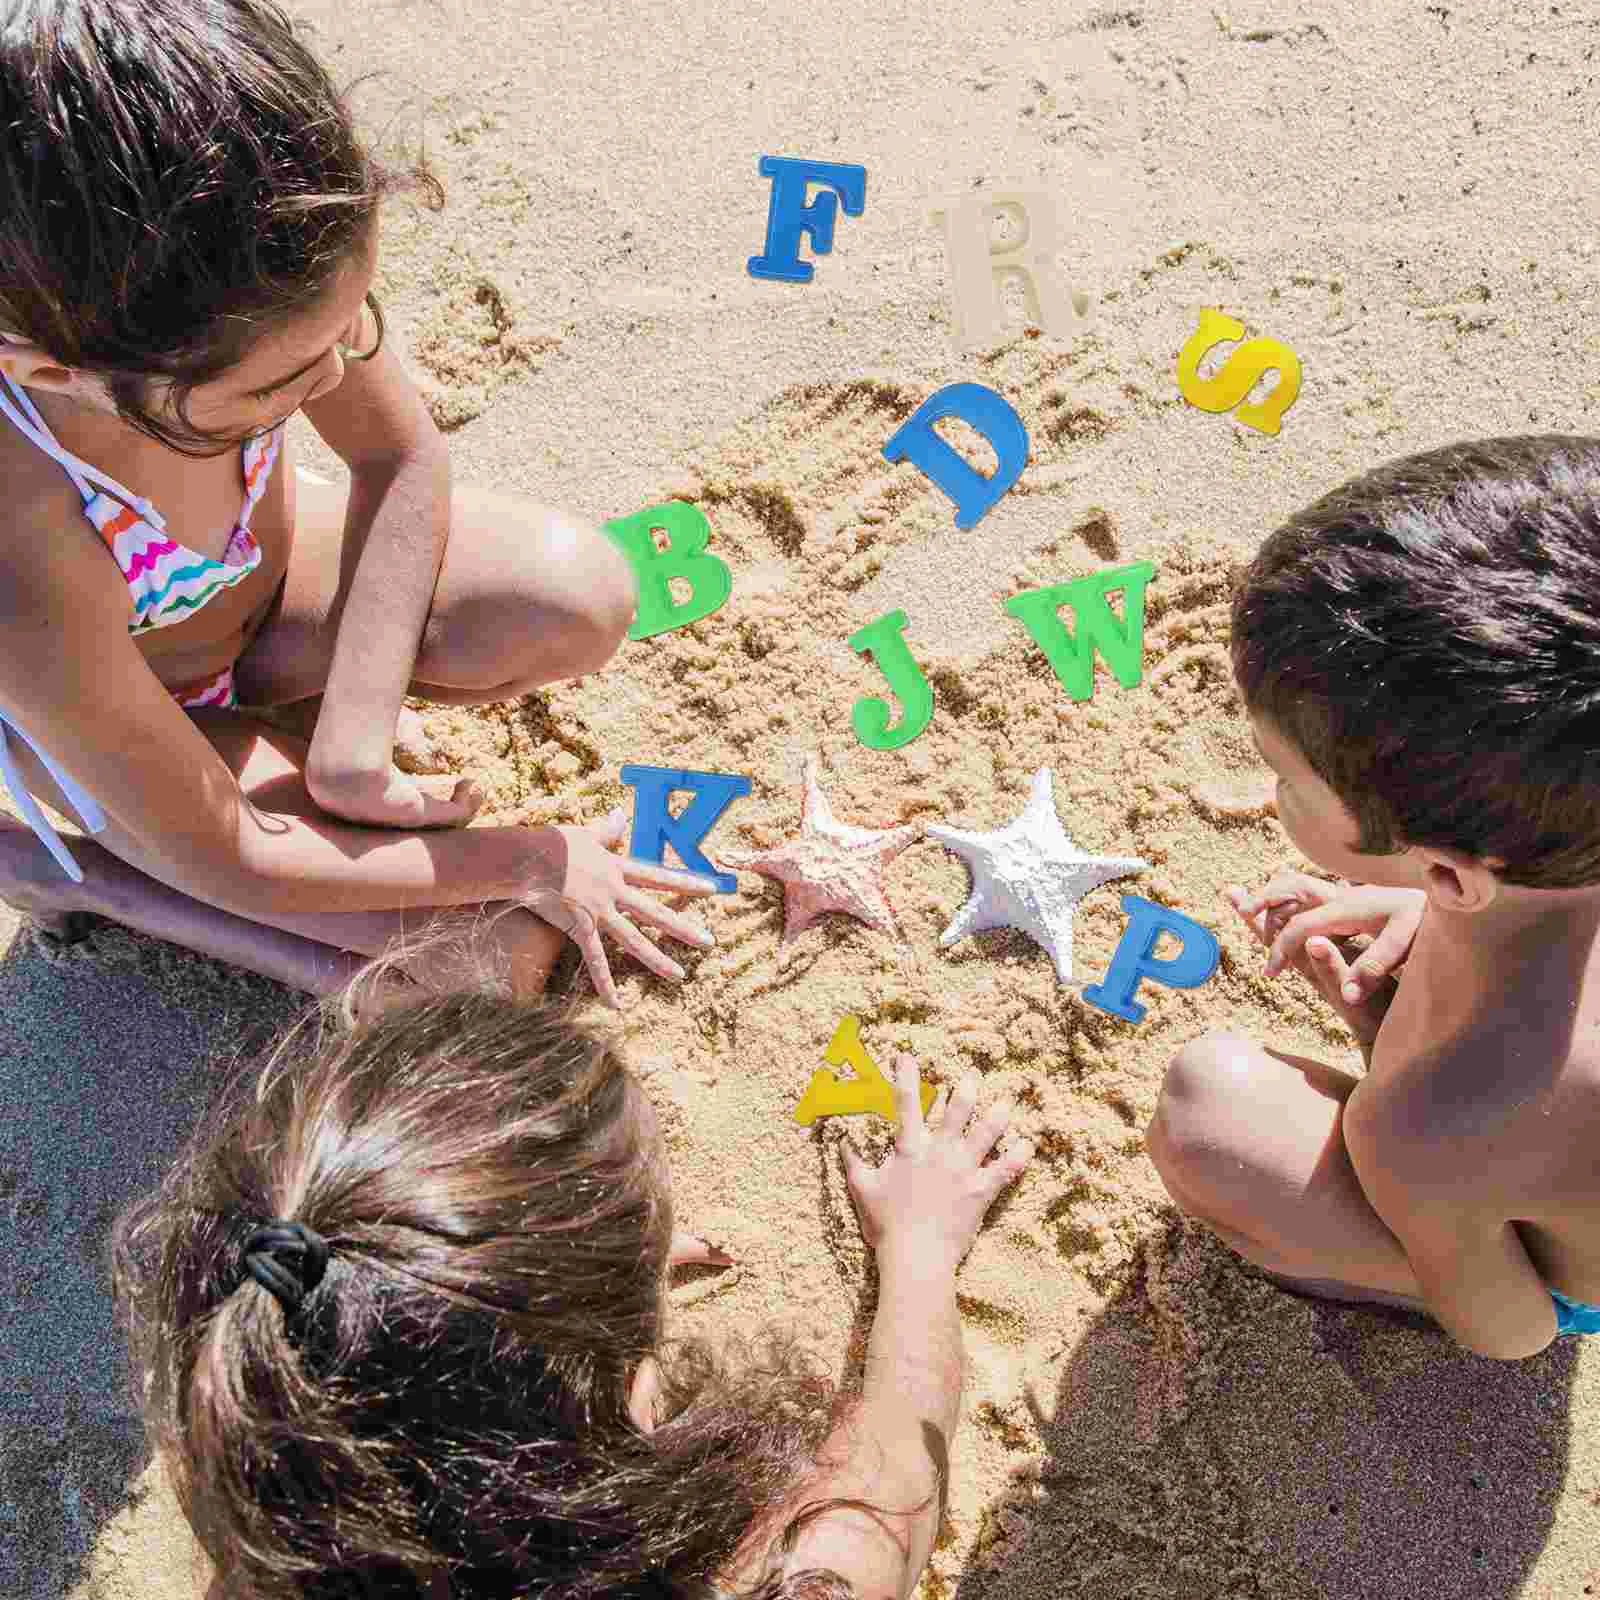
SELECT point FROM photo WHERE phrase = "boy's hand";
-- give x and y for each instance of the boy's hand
(923, 1207)
(1307, 923)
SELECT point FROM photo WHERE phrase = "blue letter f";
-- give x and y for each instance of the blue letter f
(788, 216)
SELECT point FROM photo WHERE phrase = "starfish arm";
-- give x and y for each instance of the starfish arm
(967, 920)
(816, 812)
(1107, 868)
(1050, 927)
(1042, 797)
(959, 840)
(887, 844)
(802, 905)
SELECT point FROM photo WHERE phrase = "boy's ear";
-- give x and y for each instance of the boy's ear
(1456, 881)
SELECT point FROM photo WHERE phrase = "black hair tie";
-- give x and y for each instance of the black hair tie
(287, 1259)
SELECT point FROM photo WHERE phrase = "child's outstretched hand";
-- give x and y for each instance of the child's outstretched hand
(1307, 923)
(597, 886)
(924, 1205)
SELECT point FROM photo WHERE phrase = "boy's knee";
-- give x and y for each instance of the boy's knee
(1205, 1084)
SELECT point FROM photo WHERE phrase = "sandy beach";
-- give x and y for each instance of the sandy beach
(1402, 195)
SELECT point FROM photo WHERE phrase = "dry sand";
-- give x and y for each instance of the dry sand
(1401, 195)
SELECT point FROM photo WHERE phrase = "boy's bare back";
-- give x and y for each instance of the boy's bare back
(1483, 1098)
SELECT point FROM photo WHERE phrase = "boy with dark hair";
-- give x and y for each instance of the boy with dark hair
(1419, 656)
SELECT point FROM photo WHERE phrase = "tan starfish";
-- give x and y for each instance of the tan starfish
(830, 865)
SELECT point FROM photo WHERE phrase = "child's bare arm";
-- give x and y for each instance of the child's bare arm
(1440, 1202)
(70, 674)
(892, 1451)
(399, 510)
(920, 1212)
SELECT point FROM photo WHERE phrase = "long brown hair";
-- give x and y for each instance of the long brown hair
(176, 178)
(451, 1399)
(1428, 636)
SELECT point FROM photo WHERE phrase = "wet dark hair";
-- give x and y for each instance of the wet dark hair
(450, 1401)
(176, 176)
(1428, 636)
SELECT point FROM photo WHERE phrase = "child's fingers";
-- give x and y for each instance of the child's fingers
(1330, 960)
(641, 949)
(689, 1249)
(859, 1178)
(1008, 1165)
(612, 826)
(1388, 949)
(1255, 920)
(587, 938)
(657, 915)
(1318, 922)
(911, 1132)
(963, 1100)
(670, 880)
(1283, 888)
(988, 1130)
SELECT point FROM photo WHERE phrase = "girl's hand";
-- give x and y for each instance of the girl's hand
(597, 887)
(393, 799)
(690, 1250)
(1308, 923)
(923, 1207)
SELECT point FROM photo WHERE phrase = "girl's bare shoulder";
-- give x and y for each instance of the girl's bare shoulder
(48, 547)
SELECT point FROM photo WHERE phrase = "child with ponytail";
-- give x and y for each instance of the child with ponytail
(400, 1325)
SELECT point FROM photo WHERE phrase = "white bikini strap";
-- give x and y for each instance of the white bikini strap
(29, 807)
(81, 473)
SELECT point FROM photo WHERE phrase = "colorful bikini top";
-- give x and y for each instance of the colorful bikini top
(167, 582)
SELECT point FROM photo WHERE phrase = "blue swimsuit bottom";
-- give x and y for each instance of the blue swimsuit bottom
(1573, 1316)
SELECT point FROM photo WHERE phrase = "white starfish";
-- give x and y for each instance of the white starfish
(1029, 875)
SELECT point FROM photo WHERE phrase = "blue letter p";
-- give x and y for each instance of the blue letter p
(1134, 957)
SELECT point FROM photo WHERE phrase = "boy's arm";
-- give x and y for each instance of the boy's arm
(1477, 1279)
(398, 517)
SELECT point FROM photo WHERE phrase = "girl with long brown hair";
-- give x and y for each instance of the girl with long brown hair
(398, 1318)
(188, 244)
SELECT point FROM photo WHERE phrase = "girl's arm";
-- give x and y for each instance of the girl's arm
(893, 1450)
(920, 1212)
(399, 518)
(73, 678)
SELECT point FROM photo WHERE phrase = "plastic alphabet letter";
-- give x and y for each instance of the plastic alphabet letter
(979, 263)
(870, 715)
(710, 582)
(654, 826)
(1121, 642)
(788, 215)
(829, 1096)
(1134, 958)
(992, 415)
(1239, 372)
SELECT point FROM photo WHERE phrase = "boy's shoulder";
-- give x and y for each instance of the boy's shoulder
(1499, 1113)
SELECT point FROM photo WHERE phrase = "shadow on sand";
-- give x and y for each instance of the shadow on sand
(105, 1065)
(1211, 1436)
